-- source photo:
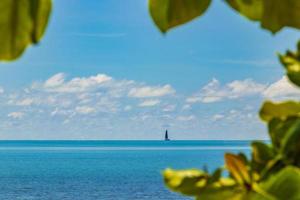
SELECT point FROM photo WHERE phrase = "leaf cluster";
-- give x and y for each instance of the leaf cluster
(273, 171)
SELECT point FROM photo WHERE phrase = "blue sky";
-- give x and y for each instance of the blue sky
(104, 71)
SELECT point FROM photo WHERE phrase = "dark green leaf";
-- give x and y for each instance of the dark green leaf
(291, 144)
(215, 176)
(272, 14)
(278, 129)
(167, 14)
(22, 22)
(262, 154)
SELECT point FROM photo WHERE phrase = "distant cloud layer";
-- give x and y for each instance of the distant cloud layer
(57, 83)
(158, 91)
(101, 104)
(151, 102)
(281, 89)
(214, 92)
(16, 115)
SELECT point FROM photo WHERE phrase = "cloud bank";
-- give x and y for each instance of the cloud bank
(100, 106)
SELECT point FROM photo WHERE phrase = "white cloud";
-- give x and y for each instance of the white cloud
(57, 83)
(148, 91)
(149, 103)
(214, 92)
(94, 94)
(62, 112)
(244, 88)
(217, 117)
(186, 118)
(25, 102)
(169, 108)
(16, 115)
(54, 81)
(1, 90)
(85, 109)
(282, 89)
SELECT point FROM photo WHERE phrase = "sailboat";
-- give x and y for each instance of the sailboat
(166, 136)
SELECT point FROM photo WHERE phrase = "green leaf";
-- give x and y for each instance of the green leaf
(262, 154)
(283, 185)
(224, 193)
(285, 135)
(22, 22)
(237, 168)
(252, 9)
(187, 182)
(216, 175)
(291, 62)
(291, 144)
(283, 110)
(278, 129)
(167, 14)
(272, 14)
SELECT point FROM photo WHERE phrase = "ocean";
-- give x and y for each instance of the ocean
(108, 170)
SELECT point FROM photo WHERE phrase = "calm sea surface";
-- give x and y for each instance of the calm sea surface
(112, 170)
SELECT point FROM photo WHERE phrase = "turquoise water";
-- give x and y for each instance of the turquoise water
(116, 170)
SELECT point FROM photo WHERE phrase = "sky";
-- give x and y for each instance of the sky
(104, 71)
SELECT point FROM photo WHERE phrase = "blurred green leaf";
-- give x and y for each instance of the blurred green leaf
(282, 110)
(262, 154)
(237, 168)
(22, 22)
(291, 144)
(216, 175)
(283, 185)
(224, 193)
(272, 14)
(187, 182)
(167, 14)
(277, 130)
(253, 9)
(291, 62)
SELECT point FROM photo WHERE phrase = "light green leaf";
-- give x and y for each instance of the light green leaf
(22, 22)
(291, 62)
(283, 185)
(272, 14)
(193, 182)
(167, 14)
(281, 111)
(187, 182)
